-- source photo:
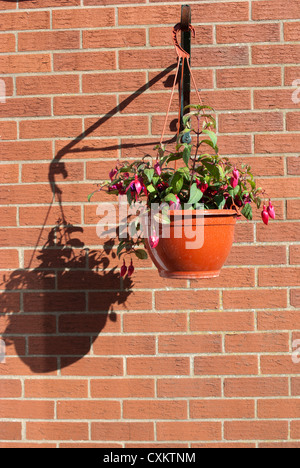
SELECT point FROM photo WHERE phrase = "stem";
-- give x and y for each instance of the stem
(196, 152)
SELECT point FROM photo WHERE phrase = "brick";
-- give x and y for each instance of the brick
(295, 429)
(257, 342)
(56, 388)
(158, 322)
(121, 125)
(274, 99)
(182, 300)
(278, 9)
(92, 366)
(279, 277)
(268, 166)
(284, 143)
(26, 107)
(222, 56)
(222, 321)
(9, 258)
(84, 61)
(188, 387)
(281, 320)
(30, 324)
(33, 63)
(228, 277)
(251, 122)
(82, 105)
(29, 366)
(233, 34)
(254, 299)
(77, 18)
(36, 216)
(294, 254)
(11, 430)
(22, 409)
(279, 409)
(291, 31)
(293, 121)
(83, 148)
(256, 430)
(113, 82)
(89, 323)
(22, 21)
(8, 130)
(279, 232)
(50, 3)
(8, 216)
(158, 409)
(54, 302)
(245, 77)
(278, 365)
(256, 387)
(122, 388)
(190, 430)
(10, 174)
(265, 54)
(165, 79)
(81, 409)
(49, 40)
(57, 430)
(8, 43)
(295, 297)
(158, 366)
(226, 365)
(189, 344)
(59, 345)
(295, 386)
(287, 187)
(122, 431)
(290, 75)
(113, 38)
(47, 84)
(24, 150)
(221, 409)
(10, 388)
(7, 6)
(124, 345)
(293, 165)
(132, 301)
(19, 237)
(160, 36)
(50, 128)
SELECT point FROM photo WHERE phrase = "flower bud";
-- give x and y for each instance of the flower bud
(234, 182)
(236, 173)
(153, 240)
(130, 270)
(157, 168)
(271, 210)
(265, 215)
(123, 269)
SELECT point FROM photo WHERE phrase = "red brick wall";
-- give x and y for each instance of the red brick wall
(92, 362)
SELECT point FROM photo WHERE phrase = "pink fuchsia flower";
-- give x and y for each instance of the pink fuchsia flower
(157, 168)
(235, 177)
(271, 210)
(203, 187)
(153, 240)
(112, 173)
(265, 215)
(137, 186)
(130, 269)
(123, 269)
(173, 205)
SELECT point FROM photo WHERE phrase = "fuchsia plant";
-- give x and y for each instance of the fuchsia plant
(201, 177)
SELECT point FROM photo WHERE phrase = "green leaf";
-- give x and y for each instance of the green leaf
(247, 211)
(212, 136)
(151, 189)
(177, 182)
(187, 154)
(170, 198)
(149, 174)
(212, 169)
(141, 254)
(195, 194)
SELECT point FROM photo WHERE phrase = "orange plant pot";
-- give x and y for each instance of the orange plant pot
(179, 256)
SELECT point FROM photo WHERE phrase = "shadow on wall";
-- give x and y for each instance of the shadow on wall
(54, 309)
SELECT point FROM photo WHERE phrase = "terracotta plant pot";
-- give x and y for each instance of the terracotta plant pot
(182, 257)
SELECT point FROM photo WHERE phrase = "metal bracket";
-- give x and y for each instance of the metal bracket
(186, 16)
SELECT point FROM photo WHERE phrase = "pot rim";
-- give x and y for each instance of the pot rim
(216, 212)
